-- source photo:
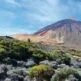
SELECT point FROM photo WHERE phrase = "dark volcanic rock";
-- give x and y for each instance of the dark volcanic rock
(10, 61)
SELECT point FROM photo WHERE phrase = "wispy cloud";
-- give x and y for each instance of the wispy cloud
(45, 11)
(10, 30)
(31, 15)
(51, 10)
(12, 2)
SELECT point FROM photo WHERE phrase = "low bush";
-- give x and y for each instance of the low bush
(41, 72)
(60, 56)
(20, 50)
(15, 49)
(39, 55)
(64, 73)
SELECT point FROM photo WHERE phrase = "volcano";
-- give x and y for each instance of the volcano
(66, 32)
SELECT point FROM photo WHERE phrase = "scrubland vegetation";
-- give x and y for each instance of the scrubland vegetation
(26, 61)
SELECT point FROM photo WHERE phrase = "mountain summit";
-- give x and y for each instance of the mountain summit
(59, 24)
(66, 32)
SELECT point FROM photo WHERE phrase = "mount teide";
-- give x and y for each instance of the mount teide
(65, 32)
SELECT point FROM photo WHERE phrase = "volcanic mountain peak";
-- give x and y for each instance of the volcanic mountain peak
(66, 32)
(59, 24)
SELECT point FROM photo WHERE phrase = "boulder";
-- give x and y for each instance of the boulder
(50, 63)
(10, 61)
(27, 78)
(7, 79)
(46, 62)
(18, 71)
(71, 78)
(62, 65)
(29, 63)
(53, 64)
(20, 63)
(10, 67)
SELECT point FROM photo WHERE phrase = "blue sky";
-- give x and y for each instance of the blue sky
(28, 16)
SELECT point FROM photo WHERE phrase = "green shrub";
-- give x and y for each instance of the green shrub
(61, 56)
(63, 74)
(3, 53)
(41, 72)
(75, 52)
(39, 55)
(20, 50)
(14, 48)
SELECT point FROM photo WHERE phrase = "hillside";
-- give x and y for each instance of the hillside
(27, 61)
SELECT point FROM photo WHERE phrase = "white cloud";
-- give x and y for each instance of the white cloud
(44, 12)
(53, 2)
(10, 30)
(50, 10)
(13, 2)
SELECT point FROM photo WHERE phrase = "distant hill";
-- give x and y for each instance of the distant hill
(66, 32)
